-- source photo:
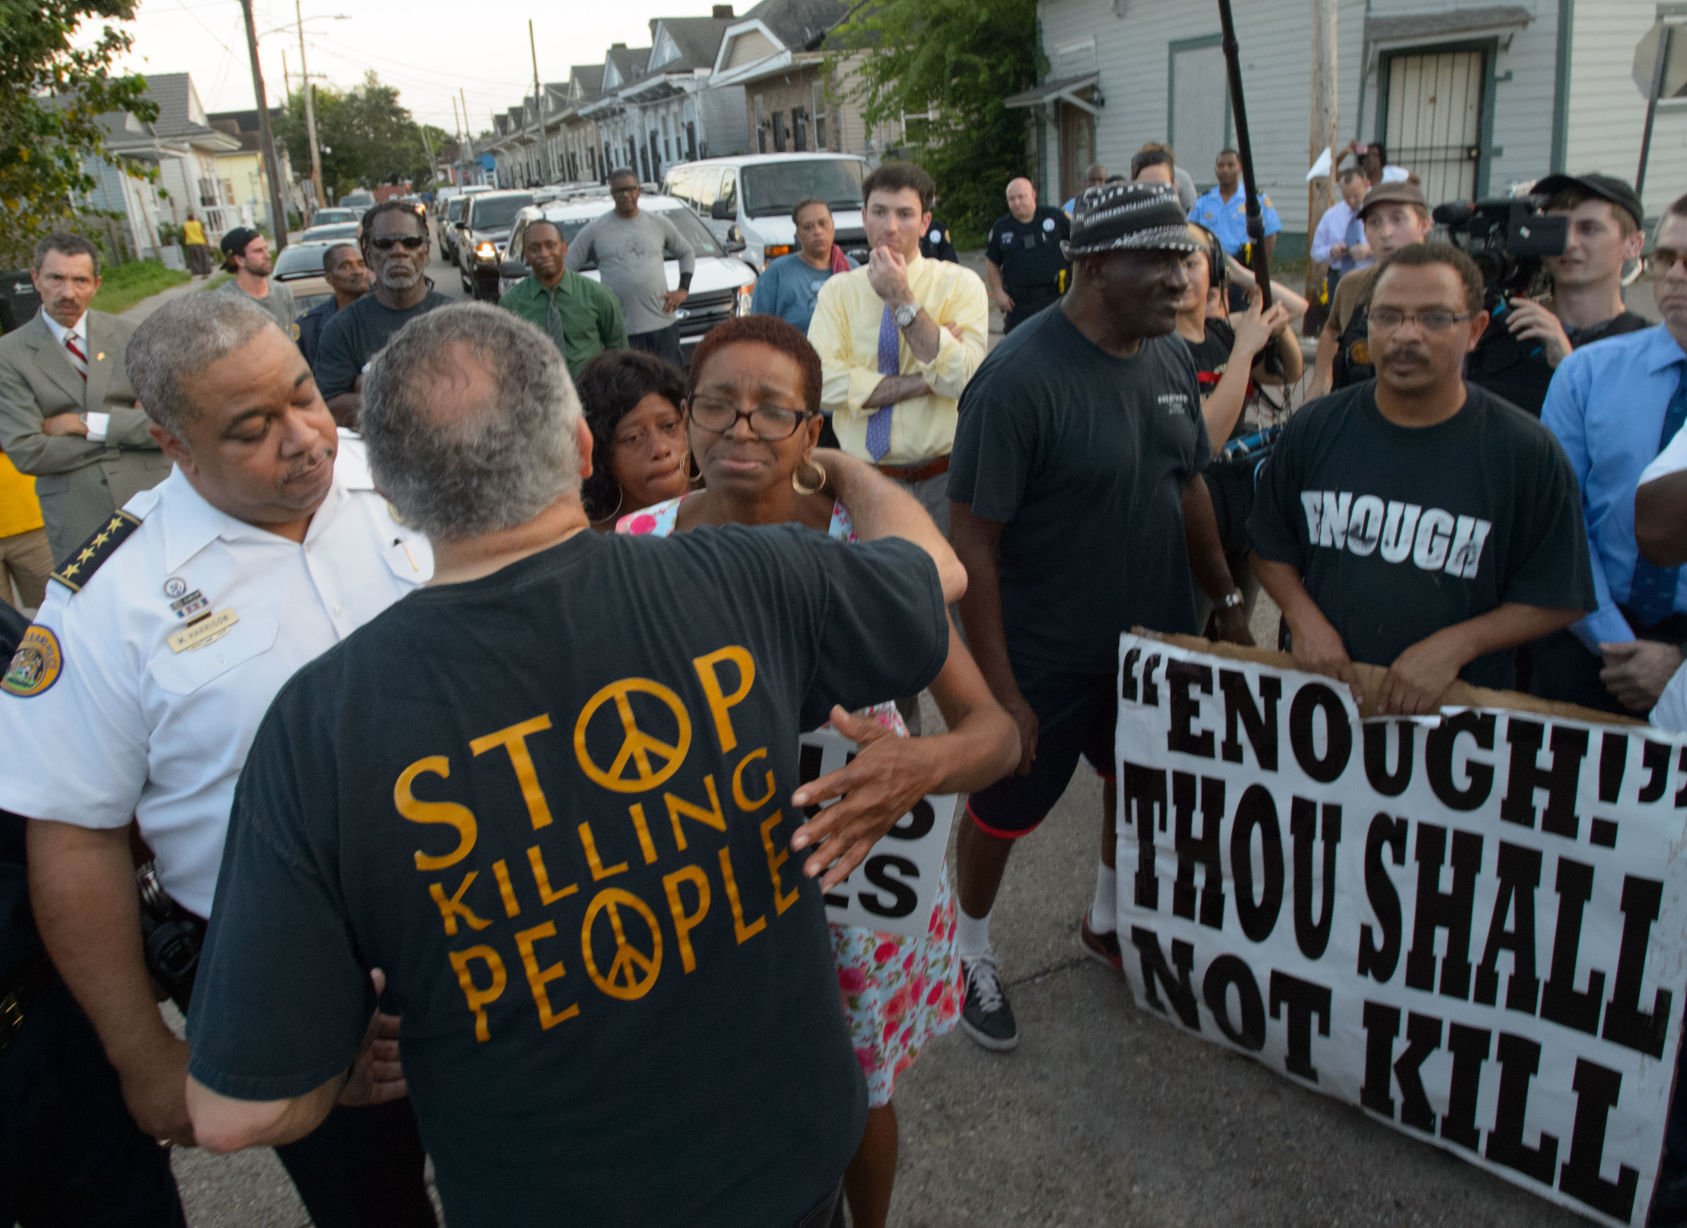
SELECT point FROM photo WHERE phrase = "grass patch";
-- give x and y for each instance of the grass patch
(127, 284)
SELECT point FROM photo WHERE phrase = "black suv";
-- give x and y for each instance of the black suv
(485, 230)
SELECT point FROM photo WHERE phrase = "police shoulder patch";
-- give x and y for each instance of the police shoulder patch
(35, 665)
(83, 562)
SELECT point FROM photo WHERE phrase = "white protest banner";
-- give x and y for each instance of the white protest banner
(1473, 926)
(895, 888)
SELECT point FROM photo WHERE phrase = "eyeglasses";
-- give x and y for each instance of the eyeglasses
(1391, 318)
(410, 243)
(770, 422)
(1663, 259)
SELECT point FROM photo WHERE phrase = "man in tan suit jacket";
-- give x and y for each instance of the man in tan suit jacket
(67, 412)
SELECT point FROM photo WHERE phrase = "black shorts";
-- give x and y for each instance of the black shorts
(1075, 716)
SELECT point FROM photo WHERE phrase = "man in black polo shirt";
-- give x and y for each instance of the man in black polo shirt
(1024, 263)
(1529, 337)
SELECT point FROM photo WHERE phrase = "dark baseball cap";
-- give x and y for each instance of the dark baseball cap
(1400, 192)
(1605, 187)
(235, 241)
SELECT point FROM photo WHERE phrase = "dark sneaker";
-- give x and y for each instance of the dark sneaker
(1103, 947)
(986, 1015)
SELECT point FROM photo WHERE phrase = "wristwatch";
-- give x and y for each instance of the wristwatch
(906, 315)
(1231, 600)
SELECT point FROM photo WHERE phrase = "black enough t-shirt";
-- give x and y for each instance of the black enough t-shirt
(1082, 457)
(356, 334)
(1028, 253)
(553, 804)
(1399, 532)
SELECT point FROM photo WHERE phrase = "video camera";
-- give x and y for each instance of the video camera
(1507, 237)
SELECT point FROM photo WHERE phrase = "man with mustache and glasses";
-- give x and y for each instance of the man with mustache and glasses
(137, 692)
(1415, 521)
(395, 245)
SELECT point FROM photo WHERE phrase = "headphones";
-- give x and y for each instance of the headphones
(1218, 273)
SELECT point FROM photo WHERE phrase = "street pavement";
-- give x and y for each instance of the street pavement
(1104, 1115)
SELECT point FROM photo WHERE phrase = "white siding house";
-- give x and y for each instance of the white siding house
(1474, 98)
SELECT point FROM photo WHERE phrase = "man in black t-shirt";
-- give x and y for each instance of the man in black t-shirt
(395, 247)
(1023, 260)
(1465, 541)
(1526, 339)
(571, 855)
(1075, 478)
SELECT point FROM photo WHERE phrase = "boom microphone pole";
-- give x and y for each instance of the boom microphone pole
(1244, 150)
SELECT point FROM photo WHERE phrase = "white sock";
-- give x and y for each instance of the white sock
(972, 934)
(1102, 917)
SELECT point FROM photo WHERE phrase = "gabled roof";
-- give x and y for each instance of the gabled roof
(589, 79)
(696, 38)
(799, 24)
(629, 62)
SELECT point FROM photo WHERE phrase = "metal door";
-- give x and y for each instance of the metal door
(1434, 120)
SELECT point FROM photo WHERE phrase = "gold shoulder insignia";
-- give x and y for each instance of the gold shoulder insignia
(84, 561)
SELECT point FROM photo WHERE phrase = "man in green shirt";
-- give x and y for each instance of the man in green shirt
(577, 313)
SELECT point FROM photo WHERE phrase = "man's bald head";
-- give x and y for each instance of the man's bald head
(1022, 199)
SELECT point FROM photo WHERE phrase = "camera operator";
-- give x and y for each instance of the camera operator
(1530, 336)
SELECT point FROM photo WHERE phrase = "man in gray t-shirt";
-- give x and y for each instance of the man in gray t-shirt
(246, 255)
(630, 247)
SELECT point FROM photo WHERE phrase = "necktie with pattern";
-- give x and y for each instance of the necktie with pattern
(78, 359)
(890, 363)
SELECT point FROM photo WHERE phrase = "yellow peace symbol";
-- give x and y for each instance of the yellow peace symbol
(643, 761)
(632, 971)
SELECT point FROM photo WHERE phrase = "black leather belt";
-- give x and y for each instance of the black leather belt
(15, 1002)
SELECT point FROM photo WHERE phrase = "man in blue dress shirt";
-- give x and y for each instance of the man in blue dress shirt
(1224, 209)
(1614, 406)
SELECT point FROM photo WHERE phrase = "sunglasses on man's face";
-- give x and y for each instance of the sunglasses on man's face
(410, 243)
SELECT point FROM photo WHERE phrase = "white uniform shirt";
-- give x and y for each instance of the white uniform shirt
(121, 723)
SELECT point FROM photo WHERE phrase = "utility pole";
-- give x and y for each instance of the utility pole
(468, 133)
(457, 127)
(1322, 136)
(538, 99)
(310, 112)
(266, 135)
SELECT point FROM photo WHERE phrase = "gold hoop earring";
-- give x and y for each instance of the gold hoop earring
(693, 474)
(620, 498)
(819, 484)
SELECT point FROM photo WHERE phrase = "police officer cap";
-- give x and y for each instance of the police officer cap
(1129, 216)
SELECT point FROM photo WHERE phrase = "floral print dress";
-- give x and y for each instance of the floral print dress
(897, 992)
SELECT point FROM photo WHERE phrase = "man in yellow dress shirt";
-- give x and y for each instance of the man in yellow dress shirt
(898, 340)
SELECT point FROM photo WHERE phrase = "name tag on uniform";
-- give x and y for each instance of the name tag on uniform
(205, 631)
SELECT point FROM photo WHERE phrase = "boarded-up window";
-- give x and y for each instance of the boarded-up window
(1200, 119)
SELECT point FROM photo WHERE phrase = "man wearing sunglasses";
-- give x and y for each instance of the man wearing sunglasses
(1465, 544)
(395, 247)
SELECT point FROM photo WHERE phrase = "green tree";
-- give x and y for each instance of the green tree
(954, 60)
(51, 94)
(366, 135)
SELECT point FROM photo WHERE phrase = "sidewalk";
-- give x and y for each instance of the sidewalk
(147, 306)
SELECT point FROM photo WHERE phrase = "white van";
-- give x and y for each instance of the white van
(748, 200)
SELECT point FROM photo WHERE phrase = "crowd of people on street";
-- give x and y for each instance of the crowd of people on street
(416, 692)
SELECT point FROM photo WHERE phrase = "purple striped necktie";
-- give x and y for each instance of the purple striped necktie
(890, 363)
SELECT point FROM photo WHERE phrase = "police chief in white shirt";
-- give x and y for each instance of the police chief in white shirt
(139, 689)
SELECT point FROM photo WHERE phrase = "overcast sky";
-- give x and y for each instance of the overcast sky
(428, 49)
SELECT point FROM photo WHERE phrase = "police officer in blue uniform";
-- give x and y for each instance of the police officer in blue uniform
(1223, 210)
(1025, 263)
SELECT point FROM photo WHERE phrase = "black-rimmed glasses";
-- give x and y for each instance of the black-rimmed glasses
(769, 422)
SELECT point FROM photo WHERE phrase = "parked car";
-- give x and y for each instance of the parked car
(448, 224)
(338, 232)
(362, 198)
(301, 260)
(748, 200)
(485, 229)
(721, 285)
(334, 216)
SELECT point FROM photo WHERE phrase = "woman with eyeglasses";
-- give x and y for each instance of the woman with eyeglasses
(635, 404)
(754, 424)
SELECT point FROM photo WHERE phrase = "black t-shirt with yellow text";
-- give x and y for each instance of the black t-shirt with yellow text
(553, 804)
